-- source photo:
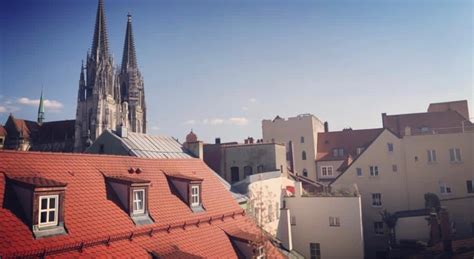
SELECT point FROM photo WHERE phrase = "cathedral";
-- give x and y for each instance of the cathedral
(109, 97)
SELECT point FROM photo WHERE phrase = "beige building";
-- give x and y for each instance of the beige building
(415, 154)
(299, 135)
(235, 161)
(324, 227)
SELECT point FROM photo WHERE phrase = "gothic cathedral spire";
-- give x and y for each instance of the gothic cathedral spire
(41, 110)
(108, 97)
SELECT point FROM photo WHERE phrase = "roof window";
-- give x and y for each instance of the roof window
(189, 189)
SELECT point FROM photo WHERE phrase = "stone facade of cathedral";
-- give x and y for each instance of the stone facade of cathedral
(109, 97)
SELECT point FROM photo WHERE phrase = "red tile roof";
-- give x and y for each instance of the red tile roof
(25, 127)
(3, 132)
(35, 181)
(349, 140)
(183, 177)
(416, 121)
(127, 179)
(96, 226)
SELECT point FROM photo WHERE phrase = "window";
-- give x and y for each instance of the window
(234, 174)
(248, 171)
(334, 222)
(101, 149)
(455, 155)
(394, 168)
(314, 251)
(303, 155)
(337, 152)
(48, 211)
(302, 139)
(444, 188)
(390, 147)
(431, 155)
(195, 195)
(259, 252)
(376, 199)
(326, 170)
(260, 169)
(359, 171)
(293, 220)
(470, 186)
(139, 201)
(359, 150)
(305, 172)
(424, 129)
(374, 170)
(378, 228)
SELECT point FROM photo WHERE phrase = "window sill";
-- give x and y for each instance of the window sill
(142, 219)
(377, 206)
(49, 231)
(198, 208)
(455, 162)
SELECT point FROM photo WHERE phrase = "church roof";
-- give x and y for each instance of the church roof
(3, 132)
(96, 226)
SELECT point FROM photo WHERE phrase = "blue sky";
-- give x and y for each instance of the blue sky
(220, 67)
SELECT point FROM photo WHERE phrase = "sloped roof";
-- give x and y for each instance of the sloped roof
(416, 121)
(96, 226)
(25, 127)
(144, 145)
(349, 140)
(3, 131)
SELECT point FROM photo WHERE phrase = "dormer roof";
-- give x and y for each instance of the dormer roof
(182, 177)
(127, 180)
(37, 182)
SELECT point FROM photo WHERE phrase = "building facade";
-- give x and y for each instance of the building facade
(430, 152)
(107, 99)
(234, 161)
(299, 135)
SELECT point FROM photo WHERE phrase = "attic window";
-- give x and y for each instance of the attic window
(189, 190)
(130, 194)
(42, 204)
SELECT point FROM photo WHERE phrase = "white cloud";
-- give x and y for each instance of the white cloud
(245, 108)
(214, 121)
(189, 122)
(50, 104)
(239, 121)
(155, 128)
(3, 109)
(252, 100)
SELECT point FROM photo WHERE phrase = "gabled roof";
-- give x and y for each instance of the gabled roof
(3, 132)
(349, 140)
(24, 127)
(444, 120)
(97, 226)
(35, 181)
(144, 145)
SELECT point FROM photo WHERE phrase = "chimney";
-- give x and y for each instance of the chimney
(196, 149)
(284, 229)
(250, 140)
(122, 131)
(326, 126)
(246, 141)
(218, 140)
(384, 119)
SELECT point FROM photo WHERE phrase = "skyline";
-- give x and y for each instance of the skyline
(222, 54)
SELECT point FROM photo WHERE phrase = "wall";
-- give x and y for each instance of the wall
(412, 228)
(292, 129)
(112, 145)
(271, 156)
(312, 226)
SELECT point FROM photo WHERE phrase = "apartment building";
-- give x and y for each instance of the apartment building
(299, 135)
(235, 161)
(413, 155)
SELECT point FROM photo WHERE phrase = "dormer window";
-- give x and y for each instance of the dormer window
(130, 194)
(188, 188)
(338, 152)
(48, 211)
(260, 252)
(42, 204)
(138, 201)
(247, 244)
(195, 196)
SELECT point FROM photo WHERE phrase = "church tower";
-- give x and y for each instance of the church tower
(131, 84)
(108, 96)
(98, 100)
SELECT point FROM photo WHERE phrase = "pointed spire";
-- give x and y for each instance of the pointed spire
(41, 109)
(129, 59)
(100, 45)
(82, 79)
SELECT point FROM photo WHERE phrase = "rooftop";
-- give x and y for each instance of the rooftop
(97, 226)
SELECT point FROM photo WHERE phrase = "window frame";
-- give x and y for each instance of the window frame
(48, 210)
(193, 195)
(395, 168)
(374, 170)
(470, 186)
(431, 156)
(455, 155)
(445, 189)
(377, 201)
(359, 172)
(381, 229)
(302, 139)
(334, 221)
(327, 170)
(314, 250)
(303, 155)
(390, 147)
(134, 201)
